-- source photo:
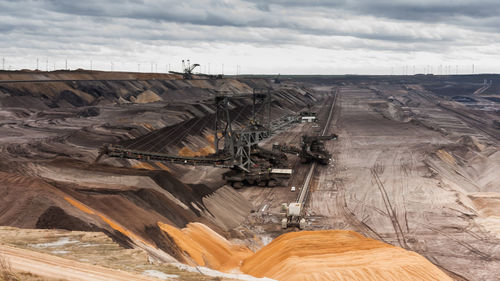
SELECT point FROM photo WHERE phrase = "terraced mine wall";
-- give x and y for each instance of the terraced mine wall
(52, 125)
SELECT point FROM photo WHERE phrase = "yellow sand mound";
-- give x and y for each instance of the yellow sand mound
(306, 255)
(205, 247)
(337, 255)
(148, 96)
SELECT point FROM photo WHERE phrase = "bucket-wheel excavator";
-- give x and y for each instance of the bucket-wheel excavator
(237, 150)
(187, 69)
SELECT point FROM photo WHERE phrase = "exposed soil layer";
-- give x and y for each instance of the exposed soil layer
(202, 246)
(415, 166)
(91, 250)
(52, 125)
(337, 255)
(306, 255)
(426, 182)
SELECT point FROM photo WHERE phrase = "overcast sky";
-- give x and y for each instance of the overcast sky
(273, 36)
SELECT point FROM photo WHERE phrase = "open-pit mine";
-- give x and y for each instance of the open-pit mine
(148, 176)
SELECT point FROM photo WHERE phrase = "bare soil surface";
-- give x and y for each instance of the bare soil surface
(80, 255)
(53, 267)
(393, 182)
(416, 163)
(415, 175)
(52, 126)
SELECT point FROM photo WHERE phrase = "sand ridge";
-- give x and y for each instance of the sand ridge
(337, 255)
(205, 247)
(305, 255)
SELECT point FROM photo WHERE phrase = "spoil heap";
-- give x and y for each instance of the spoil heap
(205, 247)
(337, 255)
(306, 255)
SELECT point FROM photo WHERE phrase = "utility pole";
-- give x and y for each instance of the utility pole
(66, 64)
(3, 63)
(36, 63)
(222, 69)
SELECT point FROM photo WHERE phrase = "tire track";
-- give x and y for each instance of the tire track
(390, 209)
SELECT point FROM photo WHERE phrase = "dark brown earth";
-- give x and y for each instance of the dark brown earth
(52, 130)
(434, 152)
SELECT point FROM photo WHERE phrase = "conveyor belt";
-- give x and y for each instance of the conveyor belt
(304, 191)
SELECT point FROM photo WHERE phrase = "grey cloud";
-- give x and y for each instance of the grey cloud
(285, 14)
(216, 13)
(401, 9)
(392, 26)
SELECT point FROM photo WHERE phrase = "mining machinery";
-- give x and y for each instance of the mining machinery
(187, 69)
(236, 150)
(312, 149)
(277, 79)
(293, 216)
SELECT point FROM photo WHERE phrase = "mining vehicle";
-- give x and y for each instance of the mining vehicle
(312, 149)
(270, 168)
(293, 216)
(263, 172)
(260, 176)
(308, 116)
(249, 164)
(187, 69)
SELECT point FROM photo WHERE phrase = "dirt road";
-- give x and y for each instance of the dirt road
(55, 267)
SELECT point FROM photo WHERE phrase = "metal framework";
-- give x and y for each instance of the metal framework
(239, 143)
(262, 95)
